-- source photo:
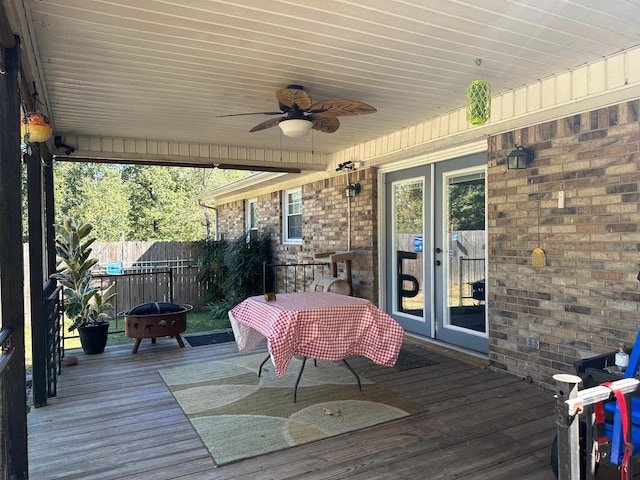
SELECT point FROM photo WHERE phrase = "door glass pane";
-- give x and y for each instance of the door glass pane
(408, 225)
(465, 197)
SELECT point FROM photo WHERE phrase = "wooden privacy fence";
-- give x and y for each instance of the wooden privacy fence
(143, 272)
(467, 254)
(146, 267)
(167, 284)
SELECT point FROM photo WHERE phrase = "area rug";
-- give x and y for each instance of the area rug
(239, 415)
(209, 338)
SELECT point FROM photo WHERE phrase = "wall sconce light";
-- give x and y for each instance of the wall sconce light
(352, 190)
(519, 158)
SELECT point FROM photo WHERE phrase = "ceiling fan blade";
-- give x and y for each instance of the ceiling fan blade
(328, 124)
(340, 108)
(268, 124)
(251, 113)
(294, 96)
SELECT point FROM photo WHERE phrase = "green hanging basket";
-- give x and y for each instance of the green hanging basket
(478, 102)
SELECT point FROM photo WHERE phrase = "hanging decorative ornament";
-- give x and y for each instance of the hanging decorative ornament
(35, 127)
(478, 102)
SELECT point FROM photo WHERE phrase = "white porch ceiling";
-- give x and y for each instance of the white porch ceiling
(164, 70)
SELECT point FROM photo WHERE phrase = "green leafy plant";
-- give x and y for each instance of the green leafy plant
(231, 271)
(84, 304)
(244, 259)
(212, 271)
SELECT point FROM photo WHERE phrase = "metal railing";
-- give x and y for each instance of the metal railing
(291, 277)
(53, 314)
(471, 279)
(47, 348)
(573, 407)
(132, 289)
(135, 287)
(139, 266)
(5, 359)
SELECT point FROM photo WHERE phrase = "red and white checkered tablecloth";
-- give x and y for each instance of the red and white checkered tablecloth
(325, 326)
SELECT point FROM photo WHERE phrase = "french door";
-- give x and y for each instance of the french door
(435, 254)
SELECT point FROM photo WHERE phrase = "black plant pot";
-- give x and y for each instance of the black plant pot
(93, 339)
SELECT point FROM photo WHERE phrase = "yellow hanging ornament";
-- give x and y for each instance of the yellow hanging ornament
(538, 258)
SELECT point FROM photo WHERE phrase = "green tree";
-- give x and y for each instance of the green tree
(143, 202)
(155, 193)
(467, 205)
(408, 207)
(205, 179)
(96, 194)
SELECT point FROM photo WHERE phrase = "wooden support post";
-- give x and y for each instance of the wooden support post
(568, 427)
(49, 215)
(36, 278)
(14, 397)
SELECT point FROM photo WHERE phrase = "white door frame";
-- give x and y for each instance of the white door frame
(430, 158)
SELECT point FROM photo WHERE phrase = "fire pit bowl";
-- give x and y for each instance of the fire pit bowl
(156, 319)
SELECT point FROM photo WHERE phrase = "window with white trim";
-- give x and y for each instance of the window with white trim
(292, 217)
(251, 215)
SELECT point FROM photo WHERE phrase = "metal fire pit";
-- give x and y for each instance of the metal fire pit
(156, 319)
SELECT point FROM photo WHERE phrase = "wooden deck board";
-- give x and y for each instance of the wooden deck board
(114, 419)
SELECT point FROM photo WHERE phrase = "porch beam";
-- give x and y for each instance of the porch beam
(7, 40)
(11, 265)
(164, 161)
(76, 148)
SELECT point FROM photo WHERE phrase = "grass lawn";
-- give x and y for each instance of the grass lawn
(196, 322)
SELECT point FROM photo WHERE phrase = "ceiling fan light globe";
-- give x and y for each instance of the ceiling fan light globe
(295, 127)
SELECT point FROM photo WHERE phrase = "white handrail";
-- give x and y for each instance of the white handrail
(570, 404)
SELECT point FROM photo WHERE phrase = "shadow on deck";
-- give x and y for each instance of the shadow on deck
(115, 418)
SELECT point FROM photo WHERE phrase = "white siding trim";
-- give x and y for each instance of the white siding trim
(608, 81)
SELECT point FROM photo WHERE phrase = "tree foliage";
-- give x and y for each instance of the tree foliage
(466, 205)
(231, 271)
(94, 193)
(135, 202)
(409, 215)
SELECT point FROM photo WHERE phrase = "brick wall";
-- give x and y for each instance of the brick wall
(231, 220)
(585, 300)
(325, 225)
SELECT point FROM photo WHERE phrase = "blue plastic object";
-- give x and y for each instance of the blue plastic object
(417, 243)
(615, 430)
(115, 268)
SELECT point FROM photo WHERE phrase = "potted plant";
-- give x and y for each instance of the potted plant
(85, 305)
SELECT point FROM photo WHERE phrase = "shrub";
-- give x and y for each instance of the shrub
(231, 271)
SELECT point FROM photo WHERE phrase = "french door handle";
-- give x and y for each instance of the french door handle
(438, 263)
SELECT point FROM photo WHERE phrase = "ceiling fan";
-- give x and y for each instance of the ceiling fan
(300, 115)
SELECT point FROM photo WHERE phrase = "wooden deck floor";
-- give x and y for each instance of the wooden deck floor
(114, 418)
